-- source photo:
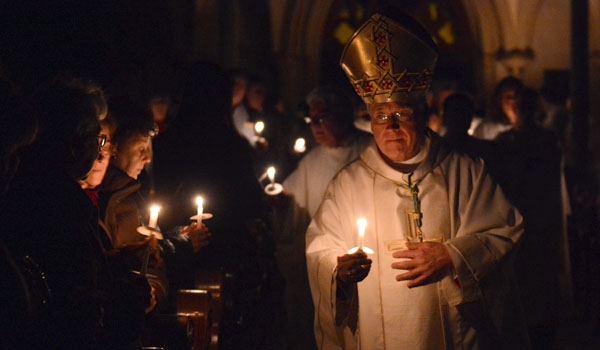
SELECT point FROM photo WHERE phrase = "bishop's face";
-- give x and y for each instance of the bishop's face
(395, 130)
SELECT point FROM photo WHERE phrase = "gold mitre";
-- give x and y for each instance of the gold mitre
(388, 60)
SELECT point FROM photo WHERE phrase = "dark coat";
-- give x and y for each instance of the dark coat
(122, 209)
(47, 217)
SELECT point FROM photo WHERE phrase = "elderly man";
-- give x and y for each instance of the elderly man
(440, 233)
(339, 142)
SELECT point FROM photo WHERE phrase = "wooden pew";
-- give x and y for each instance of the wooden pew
(212, 282)
(194, 312)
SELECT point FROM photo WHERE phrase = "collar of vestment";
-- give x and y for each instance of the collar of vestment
(435, 150)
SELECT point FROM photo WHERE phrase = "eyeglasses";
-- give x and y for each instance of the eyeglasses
(317, 120)
(402, 117)
(102, 140)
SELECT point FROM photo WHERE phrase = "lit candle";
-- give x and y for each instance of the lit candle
(271, 174)
(300, 145)
(362, 224)
(200, 203)
(153, 216)
(259, 127)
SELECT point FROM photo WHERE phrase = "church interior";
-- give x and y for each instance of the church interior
(143, 49)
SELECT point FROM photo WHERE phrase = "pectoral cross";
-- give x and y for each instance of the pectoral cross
(416, 216)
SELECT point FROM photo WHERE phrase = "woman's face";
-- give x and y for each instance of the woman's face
(507, 103)
(95, 176)
(133, 155)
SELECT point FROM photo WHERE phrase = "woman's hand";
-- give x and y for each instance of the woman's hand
(198, 235)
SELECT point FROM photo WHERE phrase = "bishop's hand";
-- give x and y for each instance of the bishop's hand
(353, 268)
(423, 261)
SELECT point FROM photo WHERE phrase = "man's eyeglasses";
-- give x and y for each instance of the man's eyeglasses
(317, 120)
(402, 117)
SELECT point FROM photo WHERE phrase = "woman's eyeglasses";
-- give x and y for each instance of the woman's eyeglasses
(102, 140)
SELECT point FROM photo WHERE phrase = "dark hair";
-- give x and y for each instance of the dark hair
(64, 102)
(458, 110)
(527, 105)
(129, 120)
(507, 84)
(68, 111)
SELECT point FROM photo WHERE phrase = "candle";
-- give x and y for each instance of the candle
(362, 224)
(200, 203)
(271, 174)
(154, 216)
(300, 145)
(259, 127)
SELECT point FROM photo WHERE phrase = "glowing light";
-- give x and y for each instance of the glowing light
(153, 216)
(300, 145)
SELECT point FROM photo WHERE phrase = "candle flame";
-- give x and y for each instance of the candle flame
(271, 173)
(199, 201)
(300, 145)
(362, 224)
(259, 127)
(153, 216)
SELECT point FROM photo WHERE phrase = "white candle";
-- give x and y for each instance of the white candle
(271, 174)
(200, 204)
(259, 127)
(153, 216)
(300, 145)
(362, 224)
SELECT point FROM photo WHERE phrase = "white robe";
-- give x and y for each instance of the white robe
(462, 206)
(243, 125)
(308, 182)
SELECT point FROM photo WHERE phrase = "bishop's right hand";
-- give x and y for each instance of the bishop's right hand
(353, 268)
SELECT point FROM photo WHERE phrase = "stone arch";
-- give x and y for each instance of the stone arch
(299, 51)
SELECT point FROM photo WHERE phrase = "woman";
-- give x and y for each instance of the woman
(123, 208)
(48, 223)
(502, 115)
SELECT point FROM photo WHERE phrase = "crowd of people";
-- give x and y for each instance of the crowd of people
(461, 210)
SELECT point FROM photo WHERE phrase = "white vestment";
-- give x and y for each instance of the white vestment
(471, 306)
(308, 182)
(243, 125)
